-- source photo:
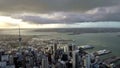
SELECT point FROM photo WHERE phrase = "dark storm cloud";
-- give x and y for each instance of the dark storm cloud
(39, 6)
(71, 11)
(97, 14)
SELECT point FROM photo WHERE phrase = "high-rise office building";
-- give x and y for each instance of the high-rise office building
(71, 47)
(76, 59)
(87, 61)
(44, 62)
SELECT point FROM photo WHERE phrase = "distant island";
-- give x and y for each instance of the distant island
(75, 31)
(71, 31)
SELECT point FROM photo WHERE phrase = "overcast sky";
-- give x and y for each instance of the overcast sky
(59, 13)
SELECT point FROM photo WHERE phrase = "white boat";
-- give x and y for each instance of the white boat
(101, 52)
(86, 47)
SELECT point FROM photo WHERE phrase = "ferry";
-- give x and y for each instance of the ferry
(101, 52)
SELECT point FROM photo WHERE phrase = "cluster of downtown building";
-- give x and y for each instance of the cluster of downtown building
(55, 54)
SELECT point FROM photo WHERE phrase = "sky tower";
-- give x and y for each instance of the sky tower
(20, 38)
